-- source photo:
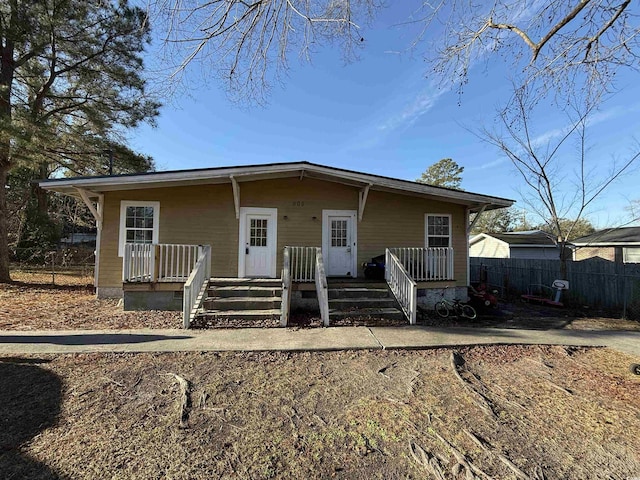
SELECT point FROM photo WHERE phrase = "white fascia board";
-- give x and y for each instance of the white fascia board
(248, 173)
(523, 245)
(607, 244)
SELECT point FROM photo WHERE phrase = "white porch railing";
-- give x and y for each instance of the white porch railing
(196, 285)
(302, 265)
(321, 288)
(404, 288)
(138, 263)
(426, 264)
(158, 262)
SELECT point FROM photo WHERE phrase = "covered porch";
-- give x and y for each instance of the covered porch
(163, 270)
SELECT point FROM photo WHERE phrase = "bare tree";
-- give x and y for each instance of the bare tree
(559, 185)
(248, 44)
(562, 45)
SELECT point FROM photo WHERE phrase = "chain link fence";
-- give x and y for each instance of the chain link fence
(595, 284)
(77, 262)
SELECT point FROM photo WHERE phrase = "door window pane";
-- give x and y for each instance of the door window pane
(338, 233)
(258, 232)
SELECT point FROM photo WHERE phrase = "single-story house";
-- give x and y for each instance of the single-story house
(620, 245)
(531, 244)
(173, 236)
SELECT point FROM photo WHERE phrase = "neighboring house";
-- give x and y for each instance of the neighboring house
(620, 245)
(532, 244)
(153, 229)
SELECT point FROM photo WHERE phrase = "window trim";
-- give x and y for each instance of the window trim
(123, 216)
(426, 229)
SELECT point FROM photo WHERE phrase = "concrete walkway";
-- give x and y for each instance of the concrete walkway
(315, 339)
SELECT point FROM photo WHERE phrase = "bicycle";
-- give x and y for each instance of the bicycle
(445, 307)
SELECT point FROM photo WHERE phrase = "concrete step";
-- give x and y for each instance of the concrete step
(241, 314)
(359, 292)
(258, 282)
(350, 303)
(242, 303)
(355, 283)
(388, 313)
(245, 291)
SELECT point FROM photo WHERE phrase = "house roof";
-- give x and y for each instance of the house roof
(100, 184)
(532, 238)
(610, 237)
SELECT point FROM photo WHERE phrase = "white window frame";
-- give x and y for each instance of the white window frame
(124, 204)
(426, 228)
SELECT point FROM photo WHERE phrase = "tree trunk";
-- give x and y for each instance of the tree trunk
(39, 193)
(563, 260)
(4, 237)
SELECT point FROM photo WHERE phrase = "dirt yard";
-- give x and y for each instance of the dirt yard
(499, 412)
(34, 303)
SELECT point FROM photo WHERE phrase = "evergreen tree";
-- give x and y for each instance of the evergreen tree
(70, 82)
(444, 173)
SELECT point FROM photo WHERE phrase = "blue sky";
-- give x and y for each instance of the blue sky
(383, 115)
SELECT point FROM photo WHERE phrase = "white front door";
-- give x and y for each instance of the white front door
(339, 242)
(258, 238)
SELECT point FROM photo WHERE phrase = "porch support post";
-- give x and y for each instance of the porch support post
(236, 195)
(475, 220)
(97, 211)
(362, 201)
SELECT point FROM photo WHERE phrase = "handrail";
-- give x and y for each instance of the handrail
(196, 285)
(286, 287)
(403, 287)
(138, 263)
(321, 288)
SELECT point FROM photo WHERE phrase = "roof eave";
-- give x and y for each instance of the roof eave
(257, 172)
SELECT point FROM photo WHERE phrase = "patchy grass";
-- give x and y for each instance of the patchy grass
(564, 413)
(32, 302)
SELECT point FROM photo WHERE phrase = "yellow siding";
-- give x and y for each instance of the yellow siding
(205, 214)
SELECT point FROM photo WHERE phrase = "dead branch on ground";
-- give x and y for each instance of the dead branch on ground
(428, 461)
(185, 400)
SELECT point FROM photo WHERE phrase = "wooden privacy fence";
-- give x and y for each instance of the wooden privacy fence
(593, 282)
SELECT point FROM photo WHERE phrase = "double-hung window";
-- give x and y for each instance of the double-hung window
(138, 223)
(437, 230)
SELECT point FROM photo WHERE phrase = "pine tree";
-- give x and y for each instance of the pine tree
(444, 173)
(70, 82)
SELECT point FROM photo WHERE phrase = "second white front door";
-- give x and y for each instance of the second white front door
(257, 256)
(339, 242)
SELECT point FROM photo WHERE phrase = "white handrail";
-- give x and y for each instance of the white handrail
(321, 288)
(196, 285)
(286, 287)
(427, 264)
(403, 287)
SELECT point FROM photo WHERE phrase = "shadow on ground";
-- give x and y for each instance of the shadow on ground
(90, 338)
(30, 397)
